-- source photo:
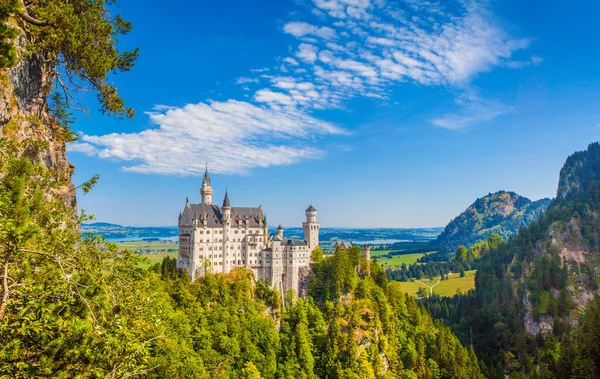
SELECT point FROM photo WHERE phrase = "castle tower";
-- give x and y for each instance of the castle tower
(367, 255)
(367, 252)
(206, 190)
(311, 228)
(265, 230)
(226, 208)
(280, 232)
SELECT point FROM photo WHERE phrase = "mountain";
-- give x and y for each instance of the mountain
(499, 213)
(535, 311)
(114, 231)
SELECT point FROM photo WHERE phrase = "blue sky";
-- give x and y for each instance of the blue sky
(379, 113)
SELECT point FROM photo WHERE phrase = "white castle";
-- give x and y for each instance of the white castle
(214, 239)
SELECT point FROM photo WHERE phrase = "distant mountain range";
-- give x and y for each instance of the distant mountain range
(118, 232)
(327, 235)
(499, 213)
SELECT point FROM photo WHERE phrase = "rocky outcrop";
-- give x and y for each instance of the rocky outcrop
(24, 115)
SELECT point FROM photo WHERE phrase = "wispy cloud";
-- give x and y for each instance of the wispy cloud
(245, 80)
(301, 29)
(231, 136)
(342, 49)
(379, 44)
(473, 110)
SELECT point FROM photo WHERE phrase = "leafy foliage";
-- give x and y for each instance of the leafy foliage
(76, 39)
(75, 307)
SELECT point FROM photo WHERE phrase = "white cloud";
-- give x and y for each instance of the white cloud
(244, 80)
(268, 96)
(361, 48)
(232, 136)
(474, 110)
(533, 61)
(307, 53)
(291, 61)
(380, 44)
(301, 29)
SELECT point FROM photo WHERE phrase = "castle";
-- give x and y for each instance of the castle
(217, 239)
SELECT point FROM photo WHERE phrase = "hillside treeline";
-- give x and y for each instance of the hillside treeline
(69, 309)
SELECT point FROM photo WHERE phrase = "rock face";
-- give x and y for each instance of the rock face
(499, 213)
(24, 114)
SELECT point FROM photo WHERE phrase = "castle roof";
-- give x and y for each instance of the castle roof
(311, 209)
(214, 215)
(206, 178)
(226, 200)
(291, 242)
(342, 244)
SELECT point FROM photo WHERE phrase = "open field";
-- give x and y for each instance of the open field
(147, 245)
(151, 259)
(444, 287)
(397, 260)
(160, 250)
(377, 253)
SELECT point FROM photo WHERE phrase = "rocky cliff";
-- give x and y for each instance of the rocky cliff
(24, 115)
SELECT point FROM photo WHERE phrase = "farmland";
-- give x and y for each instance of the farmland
(445, 287)
(397, 260)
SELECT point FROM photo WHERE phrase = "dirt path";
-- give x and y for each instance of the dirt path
(430, 287)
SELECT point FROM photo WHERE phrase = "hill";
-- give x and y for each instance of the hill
(535, 311)
(499, 213)
(119, 232)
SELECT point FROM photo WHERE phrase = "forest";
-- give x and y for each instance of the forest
(70, 309)
(534, 312)
(75, 306)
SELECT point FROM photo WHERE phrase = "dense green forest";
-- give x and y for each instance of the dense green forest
(535, 309)
(75, 307)
(500, 213)
(71, 309)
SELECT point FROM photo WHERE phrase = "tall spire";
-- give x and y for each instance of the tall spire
(226, 200)
(206, 179)
(206, 190)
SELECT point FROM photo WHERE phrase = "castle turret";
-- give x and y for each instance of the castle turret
(226, 207)
(280, 232)
(265, 224)
(311, 228)
(206, 190)
(366, 250)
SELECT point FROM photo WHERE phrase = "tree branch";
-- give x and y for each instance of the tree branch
(33, 21)
(5, 288)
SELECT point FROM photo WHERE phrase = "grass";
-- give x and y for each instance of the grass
(377, 253)
(152, 259)
(163, 249)
(445, 287)
(146, 245)
(398, 260)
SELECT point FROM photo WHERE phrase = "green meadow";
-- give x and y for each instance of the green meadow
(445, 287)
(161, 250)
(397, 260)
(146, 245)
(151, 259)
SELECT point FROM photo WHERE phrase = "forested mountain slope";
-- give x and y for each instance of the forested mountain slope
(535, 309)
(499, 213)
(69, 309)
